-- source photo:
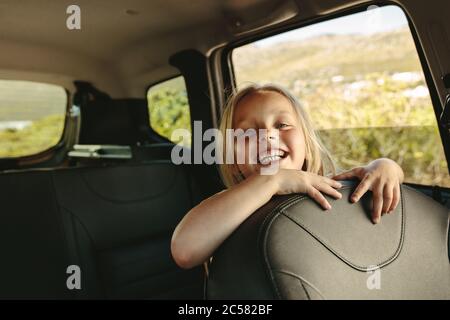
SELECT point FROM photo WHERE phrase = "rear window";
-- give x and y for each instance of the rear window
(360, 79)
(169, 108)
(31, 117)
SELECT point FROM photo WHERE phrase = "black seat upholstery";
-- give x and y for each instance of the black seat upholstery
(114, 222)
(292, 249)
(32, 244)
(117, 121)
(113, 121)
(122, 219)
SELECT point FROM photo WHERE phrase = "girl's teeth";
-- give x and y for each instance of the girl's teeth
(269, 159)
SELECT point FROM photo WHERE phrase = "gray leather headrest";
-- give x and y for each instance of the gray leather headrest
(292, 249)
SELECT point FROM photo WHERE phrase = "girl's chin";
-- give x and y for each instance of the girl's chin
(274, 165)
(279, 164)
(282, 164)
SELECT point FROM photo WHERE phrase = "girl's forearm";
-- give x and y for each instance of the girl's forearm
(208, 224)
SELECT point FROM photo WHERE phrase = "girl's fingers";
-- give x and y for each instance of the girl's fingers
(362, 188)
(345, 175)
(353, 173)
(331, 182)
(377, 205)
(388, 195)
(323, 187)
(396, 198)
(316, 195)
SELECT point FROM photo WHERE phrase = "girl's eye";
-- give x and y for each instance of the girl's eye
(281, 125)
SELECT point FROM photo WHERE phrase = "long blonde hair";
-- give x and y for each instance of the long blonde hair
(317, 158)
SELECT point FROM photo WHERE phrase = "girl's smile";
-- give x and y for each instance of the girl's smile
(270, 156)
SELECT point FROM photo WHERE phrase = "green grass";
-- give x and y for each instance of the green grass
(413, 148)
(39, 136)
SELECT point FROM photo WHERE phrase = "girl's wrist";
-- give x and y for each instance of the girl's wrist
(269, 182)
(273, 182)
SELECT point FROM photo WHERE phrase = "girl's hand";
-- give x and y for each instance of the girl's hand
(295, 181)
(383, 177)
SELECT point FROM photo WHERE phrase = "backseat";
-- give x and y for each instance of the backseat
(113, 218)
(114, 222)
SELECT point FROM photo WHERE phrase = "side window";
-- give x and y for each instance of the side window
(169, 108)
(360, 79)
(31, 117)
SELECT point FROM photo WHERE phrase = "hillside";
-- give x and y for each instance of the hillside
(323, 57)
(22, 101)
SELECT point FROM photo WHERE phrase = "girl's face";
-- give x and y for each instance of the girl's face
(284, 143)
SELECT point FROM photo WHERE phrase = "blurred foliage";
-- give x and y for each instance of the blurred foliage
(413, 148)
(40, 135)
(380, 121)
(169, 109)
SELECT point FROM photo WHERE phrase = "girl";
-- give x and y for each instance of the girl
(303, 165)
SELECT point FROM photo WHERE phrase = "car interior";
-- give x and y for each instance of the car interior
(105, 195)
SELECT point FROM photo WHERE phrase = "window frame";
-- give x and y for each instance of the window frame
(230, 80)
(45, 154)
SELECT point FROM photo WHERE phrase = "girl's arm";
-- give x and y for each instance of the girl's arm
(207, 225)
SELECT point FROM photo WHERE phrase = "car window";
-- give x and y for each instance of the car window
(360, 79)
(169, 108)
(31, 117)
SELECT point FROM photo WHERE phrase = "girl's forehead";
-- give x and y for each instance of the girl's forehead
(260, 104)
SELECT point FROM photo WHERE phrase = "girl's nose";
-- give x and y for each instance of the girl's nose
(266, 134)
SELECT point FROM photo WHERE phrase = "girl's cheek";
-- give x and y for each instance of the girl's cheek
(252, 152)
(295, 140)
(246, 152)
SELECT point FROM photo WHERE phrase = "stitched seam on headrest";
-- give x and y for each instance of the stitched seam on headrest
(340, 256)
(302, 281)
(269, 219)
(288, 203)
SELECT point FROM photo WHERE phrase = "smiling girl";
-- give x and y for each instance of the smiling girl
(303, 166)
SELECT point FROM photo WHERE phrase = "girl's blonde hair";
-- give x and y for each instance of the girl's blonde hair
(317, 158)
